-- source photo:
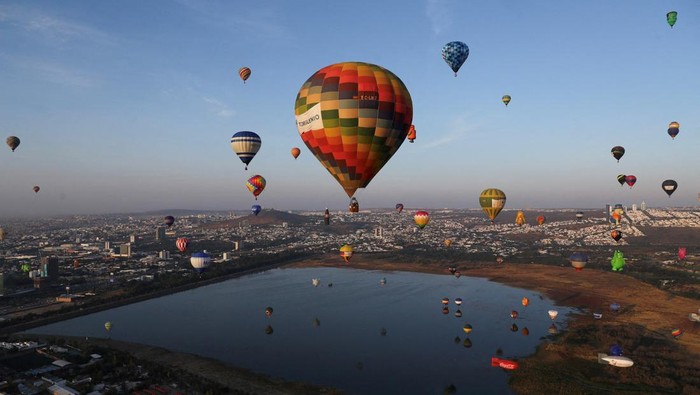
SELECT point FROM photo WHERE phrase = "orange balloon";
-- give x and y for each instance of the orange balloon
(295, 152)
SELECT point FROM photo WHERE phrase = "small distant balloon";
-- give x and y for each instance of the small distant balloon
(553, 314)
(513, 314)
(669, 186)
(617, 152)
(246, 144)
(671, 18)
(36, 189)
(255, 209)
(268, 311)
(244, 73)
(182, 243)
(169, 220)
(673, 129)
(630, 180)
(506, 99)
(445, 301)
(200, 261)
(525, 301)
(346, 252)
(12, 142)
(421, 218)
(411, 136)
(108, 326)
(296, 152)
(455, 53)
(621, 179)
(467, 328)
(256, 184)
(541, 219)
(399, 207)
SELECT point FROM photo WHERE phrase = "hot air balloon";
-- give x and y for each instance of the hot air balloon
(244, 73)
(269, 330)
(676, 333)
(354, 205)
(108, 326)
(169, 220)
(458, 301)
(553, 314)
(673, 129)
(669, 186)
(579, 215)
(411, 136)
(541, 219)
(525, 331)
(326, 217)
(2, 234)
(12, 142)
(181, 243)
(455, 53)
(268, 311)
(671, 18)
(346, 252)
(520, 218)
(200, 261)
(630, 180)
(445, 301)
(256, 209)
(618, 261)
(506, 99)
(553, 329)
(295, 152)
(467, 329)
(615, 218)
(36, 189)
(399, 207)
(617, 152)
(492, 201)
(525, 301)
(246, 144)
(578, 260)
(681, 255)
(447, 242)
(621, 179)
(353, 117)
(616, 235)
(256, 184)
(458, 274)
(458, 313)
(422, 218)
(445, 310)
(513, 314)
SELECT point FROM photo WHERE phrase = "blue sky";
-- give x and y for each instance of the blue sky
(130, 105)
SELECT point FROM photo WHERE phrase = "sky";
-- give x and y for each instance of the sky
(129, 106)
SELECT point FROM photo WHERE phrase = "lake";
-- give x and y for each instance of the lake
(358, 335)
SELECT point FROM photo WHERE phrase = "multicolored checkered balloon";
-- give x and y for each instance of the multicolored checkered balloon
(353, 116)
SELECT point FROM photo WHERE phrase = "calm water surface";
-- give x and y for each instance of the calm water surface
(358, 335)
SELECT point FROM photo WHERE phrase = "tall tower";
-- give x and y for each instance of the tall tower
(160, 233)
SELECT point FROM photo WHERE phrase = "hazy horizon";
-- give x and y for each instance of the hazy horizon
(130, 106)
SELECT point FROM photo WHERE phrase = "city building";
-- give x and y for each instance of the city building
(160, 233)
(132, 239)
(237, 245)
(125, 250)
(164, 254)
(2, 283)
(49, 268)
(379, 232)
(643, 206)
(634, 207)
(108, 246)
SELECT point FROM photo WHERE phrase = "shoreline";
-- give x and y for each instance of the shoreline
(566, 362)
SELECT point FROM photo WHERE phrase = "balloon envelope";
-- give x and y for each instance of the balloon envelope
(36, 189)
(617, 152)
(541, 219)
(353, 116)
(578, 260)
(108, 326)
(200, 261)
(244, 73)
(621, 179)
(295, 152)
(673, 129)
(182, 243)
(399, 207)
(492, 201)
(256, 184)
(255, 209)
(506, 100)
(12, 142)
(346, 252)
(422, 218)
(671, 18)
(246, 144)
(411, 136)
(455, 53)
(630, 180)
(169, 220)
(669, 186)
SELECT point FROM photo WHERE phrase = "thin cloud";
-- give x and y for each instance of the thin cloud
(218, 107)
(459, 127)
(438, 12)
(50, 27)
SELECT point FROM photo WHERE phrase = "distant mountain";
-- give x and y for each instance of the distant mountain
(265, 217)
(178, 212)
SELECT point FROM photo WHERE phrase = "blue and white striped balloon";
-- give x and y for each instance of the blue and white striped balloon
(455, 54)
(246, 144)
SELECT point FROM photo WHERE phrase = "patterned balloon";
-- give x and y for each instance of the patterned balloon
(616, 235)
(455, 54)
(492, 201)
(671, 18)
(200, 261)
(255, 209)
(12, 142)
(182, 243)
(506, 99)
(541, 219)
(617, 152)
(346, 252)
(669, 186)
(246, 144)
(621, 179)
(673, 129)
(244, 73)
(422, 218)
(520, 218)
(353, 117)
(630, 180)
(255, 185)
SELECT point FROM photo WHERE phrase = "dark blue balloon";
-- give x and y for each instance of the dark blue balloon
(616, 350)
(256, 209)
(455, 54)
